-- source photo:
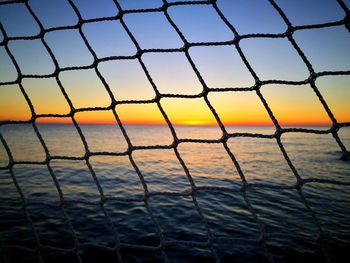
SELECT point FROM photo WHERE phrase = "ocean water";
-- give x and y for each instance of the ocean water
(218, 221)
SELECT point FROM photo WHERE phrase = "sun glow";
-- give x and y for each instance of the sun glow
(196, 123)
(291, 106)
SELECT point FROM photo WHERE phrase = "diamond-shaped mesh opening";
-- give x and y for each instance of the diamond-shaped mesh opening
(293, 102)
(112, 139)
(300, 151)
(138, 230)
(69, 145)
(212, 62)
(116, 72)
(268, 57)
(196, 230)
(174, 66)
(109, 200)
(51, 226)
(114, 36)
(200, 18)
(46, 96)
(152, 30)
(251, 17)
(9, 19)
(50, 14)
(150, 164)
(44, 65)
(16, 138)
(69, 48)
(94, 94)
(37, 184)
(97, 224)
(76, 182)
(117, 170)
(261, 161)
(91, 9)
(326, 55)
(248, 109)
(221, 218)
(219, 171)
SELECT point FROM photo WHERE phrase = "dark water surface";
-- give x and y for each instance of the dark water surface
(270, 219)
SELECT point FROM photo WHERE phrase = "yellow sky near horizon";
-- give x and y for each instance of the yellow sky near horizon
(291, 104)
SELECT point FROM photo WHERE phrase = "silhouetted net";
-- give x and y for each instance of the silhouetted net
(211, 239)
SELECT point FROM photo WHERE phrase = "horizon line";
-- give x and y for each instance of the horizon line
(195, 125)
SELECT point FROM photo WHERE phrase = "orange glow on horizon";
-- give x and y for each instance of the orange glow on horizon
(233, 109)
(189, 123)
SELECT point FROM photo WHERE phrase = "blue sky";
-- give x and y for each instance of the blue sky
(198, 23)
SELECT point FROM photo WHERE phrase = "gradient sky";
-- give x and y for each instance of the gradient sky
(220, 66)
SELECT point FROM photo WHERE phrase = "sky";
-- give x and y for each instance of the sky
(219, 66)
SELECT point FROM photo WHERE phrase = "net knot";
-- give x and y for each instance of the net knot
(278, 132)
(205, 91)
(224, 137)
(236, 39)
(19, 77)
(186, 45)
(87, 154)
(139, 53)
(165, 6)
(258, 84)
(175, 143)
(289, 32)
(42, 33)
(56, 71)
(113, 103)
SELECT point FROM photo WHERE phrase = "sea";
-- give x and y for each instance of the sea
(93, 200)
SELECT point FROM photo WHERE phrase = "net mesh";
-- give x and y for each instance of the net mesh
(163, 242)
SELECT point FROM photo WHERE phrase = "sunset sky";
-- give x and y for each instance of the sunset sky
(220, 66)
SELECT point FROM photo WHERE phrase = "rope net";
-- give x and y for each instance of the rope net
(38, 252)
